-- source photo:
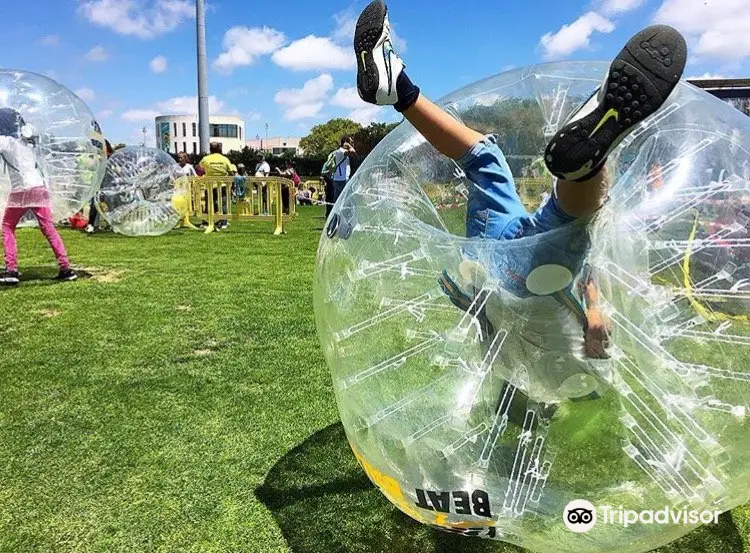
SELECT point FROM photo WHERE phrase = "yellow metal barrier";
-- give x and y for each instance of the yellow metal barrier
(264, 198)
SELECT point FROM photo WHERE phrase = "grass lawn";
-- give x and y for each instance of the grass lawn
(176, 399)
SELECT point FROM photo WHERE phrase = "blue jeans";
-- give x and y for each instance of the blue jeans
(548, 236)
(338, 188)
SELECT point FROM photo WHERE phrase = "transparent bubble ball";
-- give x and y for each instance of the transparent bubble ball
(143, 192)
(61, 133)
(490, 422)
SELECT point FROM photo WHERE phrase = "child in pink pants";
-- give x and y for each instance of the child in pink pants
(28, 191)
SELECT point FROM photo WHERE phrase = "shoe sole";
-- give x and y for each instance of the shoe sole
(368, 32)
(640, 80)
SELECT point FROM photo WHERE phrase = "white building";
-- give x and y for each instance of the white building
(276, 145)
(179, 133)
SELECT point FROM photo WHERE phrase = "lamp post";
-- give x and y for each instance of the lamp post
(203, 114)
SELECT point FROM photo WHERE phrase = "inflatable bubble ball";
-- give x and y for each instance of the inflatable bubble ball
(55, 138)
(143, 192)
(493, 419)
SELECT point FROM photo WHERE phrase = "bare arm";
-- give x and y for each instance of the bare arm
(596, 337)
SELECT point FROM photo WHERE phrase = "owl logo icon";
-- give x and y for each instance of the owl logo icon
(579, 516)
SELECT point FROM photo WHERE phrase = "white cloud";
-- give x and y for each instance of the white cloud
(612, 7)
(243, 45)
(346, 24)
(85, 94)
(574, 36)
(97, 54)
(140, 115)
(254, 116)
(50, 40)
(140, 18)
(314, 52)
(104, 114)
(180, 105)
(305, 102)
(188, 105)
(361, 112)
(348, 98)
(716, 29)
(707, 76)
(366, 114)
(158, 64)
(303, 111)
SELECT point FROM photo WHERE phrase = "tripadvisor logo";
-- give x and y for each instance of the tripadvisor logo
(581, 516)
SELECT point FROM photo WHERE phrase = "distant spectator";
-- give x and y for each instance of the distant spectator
(186, 169)
(304, 197)
(93, 225)
(262, 169)
(326, 176)
(289, 172)
(218, 165)
(342, 171)
(240, 181)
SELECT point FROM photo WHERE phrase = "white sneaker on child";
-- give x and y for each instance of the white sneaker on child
(378, 65)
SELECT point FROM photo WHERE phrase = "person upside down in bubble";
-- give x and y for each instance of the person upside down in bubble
(543, 287)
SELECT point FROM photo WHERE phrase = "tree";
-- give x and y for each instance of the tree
(326, 137)
(368, 137)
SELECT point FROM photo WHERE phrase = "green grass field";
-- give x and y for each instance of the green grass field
(176, 399)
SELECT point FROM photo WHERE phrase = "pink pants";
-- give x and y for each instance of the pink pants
(44, 215)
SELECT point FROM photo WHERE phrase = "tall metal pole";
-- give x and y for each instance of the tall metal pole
(203, 115)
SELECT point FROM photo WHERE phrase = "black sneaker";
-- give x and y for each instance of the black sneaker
(378, 66)
(9, 278)
(640, 80)
(67, 274)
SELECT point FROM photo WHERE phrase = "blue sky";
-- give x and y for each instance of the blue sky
(289, 64)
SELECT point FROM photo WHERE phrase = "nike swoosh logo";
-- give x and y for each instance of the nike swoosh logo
(607, 116)
(387, 49)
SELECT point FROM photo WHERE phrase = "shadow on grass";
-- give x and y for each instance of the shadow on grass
(322, 501)
(44, 275)
(111, 235)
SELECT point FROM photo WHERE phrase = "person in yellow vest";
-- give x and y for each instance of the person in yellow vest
(216, 164)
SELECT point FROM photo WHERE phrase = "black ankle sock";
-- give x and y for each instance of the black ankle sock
(407, 91)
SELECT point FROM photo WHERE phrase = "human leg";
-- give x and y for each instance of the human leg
(494, 209)
(338, 188)
(47, 226)
(93, 216)
(11, 217)
(329, 193)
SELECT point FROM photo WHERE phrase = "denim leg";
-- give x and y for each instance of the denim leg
(494, 209)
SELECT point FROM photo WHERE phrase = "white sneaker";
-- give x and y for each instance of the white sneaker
(90, 229)
(378, 66)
